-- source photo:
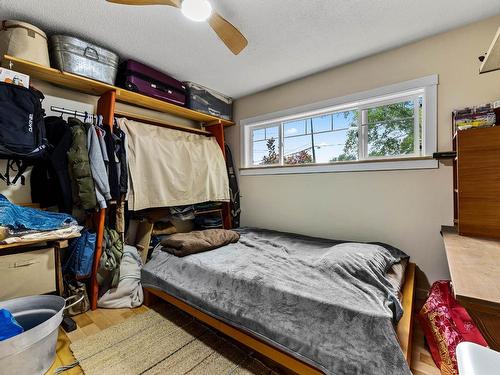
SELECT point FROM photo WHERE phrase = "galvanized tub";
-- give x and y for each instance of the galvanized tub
(33, 351)
(78, 56)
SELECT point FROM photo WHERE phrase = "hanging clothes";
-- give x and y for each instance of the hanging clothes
(172, 168)
(121, 153)
(50, 180)
(97, 167)
(79, 166)
(113, 165)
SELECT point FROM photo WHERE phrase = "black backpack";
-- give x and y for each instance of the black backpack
(22, 129)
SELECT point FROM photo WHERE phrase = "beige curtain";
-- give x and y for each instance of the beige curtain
(172, 168)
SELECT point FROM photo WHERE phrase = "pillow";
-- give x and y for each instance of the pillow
(396, 275)
(446, 324)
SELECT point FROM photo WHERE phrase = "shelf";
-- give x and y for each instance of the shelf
(91, 87)
(36, 242)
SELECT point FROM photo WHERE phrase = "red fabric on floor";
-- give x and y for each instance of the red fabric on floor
(446, 324)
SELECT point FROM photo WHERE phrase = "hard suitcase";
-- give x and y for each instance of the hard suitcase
(79, 57)
(137, 77)
(208, 101)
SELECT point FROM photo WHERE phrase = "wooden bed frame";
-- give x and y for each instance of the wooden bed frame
(404, 328)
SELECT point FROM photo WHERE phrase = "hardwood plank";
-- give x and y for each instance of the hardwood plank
(82, 320)
(99, 318)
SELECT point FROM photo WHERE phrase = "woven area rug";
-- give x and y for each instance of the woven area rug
(166, 341)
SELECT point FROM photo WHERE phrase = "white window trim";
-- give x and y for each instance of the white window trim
(426, 85)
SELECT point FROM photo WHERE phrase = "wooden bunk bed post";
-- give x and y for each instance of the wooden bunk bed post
(217, 130)
(106, 108)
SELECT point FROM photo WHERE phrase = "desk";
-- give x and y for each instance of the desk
(474, 265)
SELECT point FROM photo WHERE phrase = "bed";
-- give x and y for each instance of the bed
(312, 305)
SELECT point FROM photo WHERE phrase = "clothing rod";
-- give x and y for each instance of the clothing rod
(161, 123)
(70, 112)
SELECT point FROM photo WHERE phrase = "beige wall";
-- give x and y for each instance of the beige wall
(403, 208)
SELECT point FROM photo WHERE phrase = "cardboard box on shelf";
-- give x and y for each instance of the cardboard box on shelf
(15, 78)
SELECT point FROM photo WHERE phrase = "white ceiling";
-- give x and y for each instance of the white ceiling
(288, 39)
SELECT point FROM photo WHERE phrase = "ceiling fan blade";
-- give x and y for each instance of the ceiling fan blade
(229, 34)
(173, 3)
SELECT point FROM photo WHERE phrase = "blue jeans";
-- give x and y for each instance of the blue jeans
(18, 218)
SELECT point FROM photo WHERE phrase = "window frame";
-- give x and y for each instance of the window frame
(396, 93)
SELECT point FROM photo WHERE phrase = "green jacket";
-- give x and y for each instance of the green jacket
(79, 167)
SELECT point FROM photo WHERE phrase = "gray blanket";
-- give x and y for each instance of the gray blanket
(326, 302)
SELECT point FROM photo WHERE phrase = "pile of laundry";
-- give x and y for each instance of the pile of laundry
(23, 224)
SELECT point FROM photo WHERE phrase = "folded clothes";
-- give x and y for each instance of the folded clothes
(207, 206)
(182, 244)
(183, 212)
(163, 228)
(21, 218)
(68, 232)
(208, 222)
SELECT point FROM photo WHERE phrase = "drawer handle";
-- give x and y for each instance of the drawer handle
(26, 263)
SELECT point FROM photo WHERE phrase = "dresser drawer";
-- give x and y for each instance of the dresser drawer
(27, 273)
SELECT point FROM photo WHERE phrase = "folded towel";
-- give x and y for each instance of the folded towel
(182, 244)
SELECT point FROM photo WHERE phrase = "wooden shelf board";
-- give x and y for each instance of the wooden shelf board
(89, 86)
(36, 242)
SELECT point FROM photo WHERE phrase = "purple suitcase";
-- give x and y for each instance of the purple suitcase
(145, 80)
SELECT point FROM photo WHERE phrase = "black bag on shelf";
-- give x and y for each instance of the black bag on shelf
(22, 129)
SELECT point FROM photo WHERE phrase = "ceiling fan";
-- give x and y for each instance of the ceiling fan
(201, 10)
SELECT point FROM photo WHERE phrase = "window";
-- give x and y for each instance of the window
(392, 123)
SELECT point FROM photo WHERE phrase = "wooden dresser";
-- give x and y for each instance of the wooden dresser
(474, 265)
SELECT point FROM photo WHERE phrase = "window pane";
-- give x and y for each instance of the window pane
(344, 120)
(390, 112)
(258, 134)
(273, 132)
(322, 123)
(297, 150)
(391, 138)
(334, 146)
(265, 147)
(292, 128)
(391, 129)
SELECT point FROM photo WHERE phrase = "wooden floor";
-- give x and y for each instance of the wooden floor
(94, 321)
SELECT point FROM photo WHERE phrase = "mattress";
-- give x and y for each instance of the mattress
(326, 302)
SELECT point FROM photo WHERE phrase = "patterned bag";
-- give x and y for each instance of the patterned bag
(446, 324)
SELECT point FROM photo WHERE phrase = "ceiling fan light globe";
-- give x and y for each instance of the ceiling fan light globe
(196, 10)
